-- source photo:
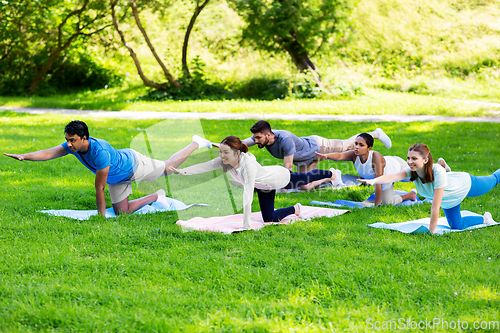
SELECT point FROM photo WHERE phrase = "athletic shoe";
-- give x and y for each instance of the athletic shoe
(488, 219)
(338, 177)
(160, 192)
(446, 166)
(301, 213)
(384, 138)
(202, 142)
(162, 200)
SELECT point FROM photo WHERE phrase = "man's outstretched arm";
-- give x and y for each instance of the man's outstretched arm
(101, 176)
(249, 142)
(41, 155)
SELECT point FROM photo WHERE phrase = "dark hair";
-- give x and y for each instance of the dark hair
(261, 126)
(368, 139)
(425, 152)
(77, 127)
(234, 143)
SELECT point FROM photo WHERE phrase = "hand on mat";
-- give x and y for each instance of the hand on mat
(15, 156)
(366, 181)
(174, 170)
(321, 157)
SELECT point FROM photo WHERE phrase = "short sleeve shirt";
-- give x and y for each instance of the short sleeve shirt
(456, 185)
(101, 154)
(287, 143)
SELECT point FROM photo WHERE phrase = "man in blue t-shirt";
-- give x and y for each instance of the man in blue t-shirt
(301, 151)
(116, 167)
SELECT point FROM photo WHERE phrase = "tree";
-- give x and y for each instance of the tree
(82, 20)
(196, 13)
(133, 55)
(294, 26)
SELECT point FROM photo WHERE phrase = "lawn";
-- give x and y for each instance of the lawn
(144, 273)
(374, 101)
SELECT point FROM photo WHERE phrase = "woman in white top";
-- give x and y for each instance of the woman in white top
(370, 164)
(244, 168)
(446, 190)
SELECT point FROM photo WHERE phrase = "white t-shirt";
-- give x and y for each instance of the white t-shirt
(250, 174)
(393, 164)
(456, 185)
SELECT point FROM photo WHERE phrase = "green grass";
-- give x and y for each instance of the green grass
(373, 102)
(143, 273)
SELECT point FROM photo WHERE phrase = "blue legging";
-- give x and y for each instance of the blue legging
(479, 186)
(297, 179)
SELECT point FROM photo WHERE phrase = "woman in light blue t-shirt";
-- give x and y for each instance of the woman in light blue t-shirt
(446, 190)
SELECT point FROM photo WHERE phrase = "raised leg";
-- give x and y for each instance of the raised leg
(178, 158)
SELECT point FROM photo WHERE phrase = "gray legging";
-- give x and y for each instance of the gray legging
(388, 196)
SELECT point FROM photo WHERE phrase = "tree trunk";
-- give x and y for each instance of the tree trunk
(197, 12)
(146, 81)
(63, 46)
(38, 79)
(169, 76)
(301, 58)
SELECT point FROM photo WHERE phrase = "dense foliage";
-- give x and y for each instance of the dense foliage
(251, 48)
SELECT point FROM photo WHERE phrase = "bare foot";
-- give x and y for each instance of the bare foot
(410, 196)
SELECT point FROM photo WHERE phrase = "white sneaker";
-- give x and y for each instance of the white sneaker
(202, 142)
(488, 219)
(162, 199)
(301, 213)
(338, 177)
(446, 166)
(384, 138)
(161, 193)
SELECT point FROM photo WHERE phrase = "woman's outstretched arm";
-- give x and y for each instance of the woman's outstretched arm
(385, 179)
(214, 164)
(345, 156)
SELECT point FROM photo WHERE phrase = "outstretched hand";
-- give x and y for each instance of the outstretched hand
(174, 170)
(321, 157)
(366, 181)
(15, 156)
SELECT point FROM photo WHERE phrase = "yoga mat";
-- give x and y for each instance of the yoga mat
(234, 223)
(348, 180)
(422, 225)
(81, 215)
(370, 202)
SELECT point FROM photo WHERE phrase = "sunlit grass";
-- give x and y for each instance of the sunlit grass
(144, 273)
(374, 102)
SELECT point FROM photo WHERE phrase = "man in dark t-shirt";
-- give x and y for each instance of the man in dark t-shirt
(301, 151)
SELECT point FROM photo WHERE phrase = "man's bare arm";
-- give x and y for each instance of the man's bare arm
(249, 142)
(101, 176)
(41, 155)
(288, 162)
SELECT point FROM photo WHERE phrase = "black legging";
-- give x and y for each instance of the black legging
(297, 179)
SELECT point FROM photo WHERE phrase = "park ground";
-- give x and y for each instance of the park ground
(144, 273)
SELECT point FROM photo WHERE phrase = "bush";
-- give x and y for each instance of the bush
(69, 73)
(263, 88)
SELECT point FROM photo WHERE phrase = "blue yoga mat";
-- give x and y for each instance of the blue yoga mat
(422, 225)
(370, 202)
(153, 208)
